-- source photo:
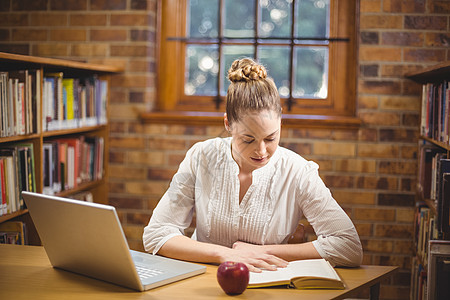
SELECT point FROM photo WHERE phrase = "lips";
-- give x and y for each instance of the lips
(260, 159)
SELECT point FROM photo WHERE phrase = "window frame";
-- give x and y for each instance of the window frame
(339, 109)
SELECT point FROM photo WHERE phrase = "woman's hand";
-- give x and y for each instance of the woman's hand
(254, 257)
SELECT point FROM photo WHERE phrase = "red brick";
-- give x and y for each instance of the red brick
(368, 102)
(88, 19)
(396, 6)
(380, 246)
(367, 6)
(48, 19)
(402, 38)
(439, 6)
(404, 247)
(434, 39)
(374, 214)
(108, 4)
(380, 118)
(377, 182)
(129, 19)
(30, 5)
(404, 262)
(376, 53)
(384, 87)
(68, 5)
(68, 35)
(338, 181)
(424, 55)
(397, 167)
(161, 174)
(113, 35)
(132, 51)
(14, 19)
(381, 22)
(368, 135)
(396, 199)
(29, 35)
(126, 142)
(426, 22)
(394, 230)
(167, 143)
(52, 50)
(398, 135)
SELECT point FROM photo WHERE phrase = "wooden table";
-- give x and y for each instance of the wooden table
(26, 273)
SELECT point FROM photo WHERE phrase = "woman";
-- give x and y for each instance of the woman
(248, 193)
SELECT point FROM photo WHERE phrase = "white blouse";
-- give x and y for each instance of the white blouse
(287, 188)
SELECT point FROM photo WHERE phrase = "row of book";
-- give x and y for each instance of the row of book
(19, 102)
(66, 102)
(424, 230)
(17, 174)
(13, 232)
(434, 184)
(435, 112)
(69, 162)
(73, 102)
(430, 278)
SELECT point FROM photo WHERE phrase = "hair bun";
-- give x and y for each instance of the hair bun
(245, 70)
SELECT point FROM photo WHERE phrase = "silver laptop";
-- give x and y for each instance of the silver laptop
(87, 238)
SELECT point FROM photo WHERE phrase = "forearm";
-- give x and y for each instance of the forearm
(290, 252)
(184, 248)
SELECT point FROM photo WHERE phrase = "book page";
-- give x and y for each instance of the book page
(319, 268)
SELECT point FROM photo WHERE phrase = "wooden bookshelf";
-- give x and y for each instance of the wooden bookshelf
(10, 63)
(433, 151)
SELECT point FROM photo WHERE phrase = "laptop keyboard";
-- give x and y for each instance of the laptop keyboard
(145, 273)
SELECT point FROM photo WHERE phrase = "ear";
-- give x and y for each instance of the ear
(226, 123)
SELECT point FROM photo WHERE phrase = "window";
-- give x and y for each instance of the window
(308, 47)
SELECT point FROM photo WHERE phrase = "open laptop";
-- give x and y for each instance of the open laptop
(87, 238)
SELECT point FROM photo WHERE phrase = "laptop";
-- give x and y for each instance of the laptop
(87, 238)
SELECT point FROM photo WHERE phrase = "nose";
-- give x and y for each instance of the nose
(261, 148)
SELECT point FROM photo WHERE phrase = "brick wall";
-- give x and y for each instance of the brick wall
(371, 171)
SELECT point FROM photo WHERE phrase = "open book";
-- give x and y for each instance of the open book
(301, 274)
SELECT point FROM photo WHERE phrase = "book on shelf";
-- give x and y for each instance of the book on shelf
(444, 209)
(13, 232)
(73, 102)
(68, 162)
(438, 270)
(301, 274)
(17, 175)
(19, 102)
(435, 111)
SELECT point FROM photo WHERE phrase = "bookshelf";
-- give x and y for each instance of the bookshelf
(53, 131)
(432, 225)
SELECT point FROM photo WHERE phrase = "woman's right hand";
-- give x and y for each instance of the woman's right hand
(254, 257)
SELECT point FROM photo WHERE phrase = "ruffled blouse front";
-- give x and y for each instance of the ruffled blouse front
(283, 191)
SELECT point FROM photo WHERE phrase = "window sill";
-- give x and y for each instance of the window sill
(195, 118)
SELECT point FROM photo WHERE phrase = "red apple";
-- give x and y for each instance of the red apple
(233, 277)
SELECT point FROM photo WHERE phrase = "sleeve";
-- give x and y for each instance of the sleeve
(337, 239)
(173, 214)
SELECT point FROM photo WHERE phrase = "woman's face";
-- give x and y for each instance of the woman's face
(255, 139)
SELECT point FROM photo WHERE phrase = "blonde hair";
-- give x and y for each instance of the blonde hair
(250, 90)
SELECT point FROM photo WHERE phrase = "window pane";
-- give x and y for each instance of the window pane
(230, 54)
(239, 18)
(276, 18)
(203, 20)
(312, 18)
(276, 60)
(201, 70)
(311, 72)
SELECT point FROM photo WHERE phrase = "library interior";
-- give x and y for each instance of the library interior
(101, 100)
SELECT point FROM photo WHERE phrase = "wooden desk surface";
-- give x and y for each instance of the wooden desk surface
(26, 273)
